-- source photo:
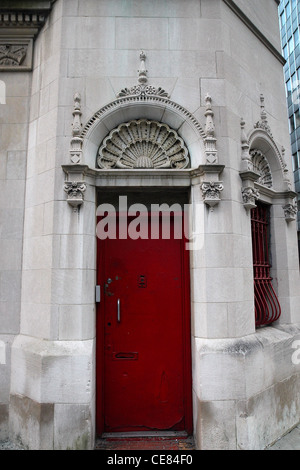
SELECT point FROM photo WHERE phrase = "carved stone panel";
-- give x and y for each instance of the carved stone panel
(143, 144)
(15, 54)
(12, 54)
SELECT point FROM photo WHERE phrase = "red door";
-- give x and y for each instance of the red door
(144, 373)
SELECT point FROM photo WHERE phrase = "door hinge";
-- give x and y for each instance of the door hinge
(98, 294)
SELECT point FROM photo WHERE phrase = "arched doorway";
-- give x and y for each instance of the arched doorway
(144, 381)
(168, 182)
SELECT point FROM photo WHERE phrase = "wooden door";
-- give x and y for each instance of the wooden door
(143, 331)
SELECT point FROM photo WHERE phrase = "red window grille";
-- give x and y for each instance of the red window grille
(267, 307)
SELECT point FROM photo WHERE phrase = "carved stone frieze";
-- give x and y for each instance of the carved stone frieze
(143, 144)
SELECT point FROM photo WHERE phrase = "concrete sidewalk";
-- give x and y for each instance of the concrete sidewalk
(290, 441)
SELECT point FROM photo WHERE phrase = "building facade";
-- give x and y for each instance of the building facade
(112, 113)
(289, 28)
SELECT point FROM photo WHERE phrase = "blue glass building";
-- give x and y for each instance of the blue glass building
(289, 20)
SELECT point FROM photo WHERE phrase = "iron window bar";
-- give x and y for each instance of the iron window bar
(267, 307)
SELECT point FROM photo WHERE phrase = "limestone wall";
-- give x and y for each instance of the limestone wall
(13, 155)
(92, 48)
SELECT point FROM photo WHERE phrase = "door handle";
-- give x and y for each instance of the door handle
(119, 311)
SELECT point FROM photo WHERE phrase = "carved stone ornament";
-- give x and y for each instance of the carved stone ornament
(261, 166)
(76, 141)
(250, 196)
(247, 164)
(286, 175)
(75, 190)
(263, 123)
(143, 144)
(20, 23)
(26, 17)
(12, 55)
(15, 53)
(142, 89)
(211, 193)
(290, 211)
(210, 140)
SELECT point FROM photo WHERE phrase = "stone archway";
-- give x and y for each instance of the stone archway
(157, 109)
(195, 167)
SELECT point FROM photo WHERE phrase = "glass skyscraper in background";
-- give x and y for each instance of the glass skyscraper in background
(289, 19)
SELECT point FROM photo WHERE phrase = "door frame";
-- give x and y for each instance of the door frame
(186, 330)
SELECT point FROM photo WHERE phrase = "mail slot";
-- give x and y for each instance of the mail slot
(125, 356)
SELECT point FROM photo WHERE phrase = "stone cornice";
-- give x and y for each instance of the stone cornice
(20, 22)
(27, 6)
(23, 15)
(232, 5)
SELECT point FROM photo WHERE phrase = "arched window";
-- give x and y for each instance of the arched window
(268, 196)
(267, 307)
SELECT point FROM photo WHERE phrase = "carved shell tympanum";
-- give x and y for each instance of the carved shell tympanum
(261, 166)
(143, 144)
